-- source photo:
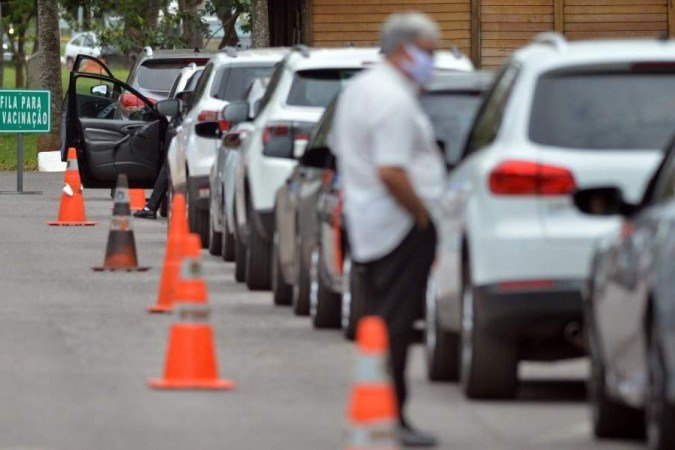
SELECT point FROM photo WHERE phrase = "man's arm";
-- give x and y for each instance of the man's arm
(398, 184)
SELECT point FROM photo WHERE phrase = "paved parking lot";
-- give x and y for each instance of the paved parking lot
(76, 348)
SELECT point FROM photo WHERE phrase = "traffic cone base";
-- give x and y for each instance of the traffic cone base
(191, 359)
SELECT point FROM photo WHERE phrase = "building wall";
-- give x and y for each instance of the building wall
(337, 23)
(489, 30)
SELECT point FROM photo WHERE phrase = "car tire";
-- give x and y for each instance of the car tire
(442, 347)
(228, 244)
(325, 306)
(300, 303)
(198, 220)
(489, 364)
(215, 240)
(282, 292)
(258, 260)
(240, 252)
(611, 419)
(659, 411)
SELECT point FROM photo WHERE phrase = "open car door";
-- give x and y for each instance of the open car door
(110, 136)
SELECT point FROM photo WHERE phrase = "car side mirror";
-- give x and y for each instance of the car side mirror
(235, 113)
(209, 130)
(602, 201)
(316, 157)
(185, 97)
(168, 107)
(102, 90)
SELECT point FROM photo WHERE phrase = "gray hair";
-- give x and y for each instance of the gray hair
(406, 28)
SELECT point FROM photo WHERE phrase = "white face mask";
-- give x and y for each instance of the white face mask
(421, 67)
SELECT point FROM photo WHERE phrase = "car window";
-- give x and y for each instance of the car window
(201, 84)
(191, 84)
(105, 99)
(77, 41)
(604, 111)
(233, 83)
(320, 138)
(451, 114)
(158, 75)
(89, 41)
(662, 185)
(491, 113)
(174, 88)
(317, 88)
(272, 86)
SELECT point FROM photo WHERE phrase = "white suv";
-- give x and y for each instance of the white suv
(299, 91)
(514, 252)
(226, 78)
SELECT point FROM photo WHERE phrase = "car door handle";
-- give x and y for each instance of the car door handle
(132, 129)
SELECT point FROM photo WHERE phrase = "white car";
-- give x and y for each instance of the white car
(299, 91)
(514, 252)
(226, 78)
(82, 44)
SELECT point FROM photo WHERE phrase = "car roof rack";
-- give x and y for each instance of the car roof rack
(302, 49)
(230, 51)
(551, 38)
(148, 51)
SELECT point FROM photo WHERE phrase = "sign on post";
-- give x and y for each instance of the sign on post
(24, 111)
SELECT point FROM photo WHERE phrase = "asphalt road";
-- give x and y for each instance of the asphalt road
(76, 348)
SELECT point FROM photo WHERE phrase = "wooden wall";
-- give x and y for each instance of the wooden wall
(489, 30)
(338, 22)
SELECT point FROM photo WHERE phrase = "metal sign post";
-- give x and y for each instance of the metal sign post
(24, 111)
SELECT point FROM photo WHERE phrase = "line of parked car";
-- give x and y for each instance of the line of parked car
(556, 229)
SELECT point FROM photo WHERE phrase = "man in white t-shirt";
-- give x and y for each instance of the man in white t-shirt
(392, 175)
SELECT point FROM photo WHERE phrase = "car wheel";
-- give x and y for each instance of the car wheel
(228, 244)
(258, 260)
(282, 292)
(489, 364)
(301, 290)
(240, 252)
(442, 347)
(324, 304)
(659, 411)
(198, 220)
(215, 240)
(611, 419)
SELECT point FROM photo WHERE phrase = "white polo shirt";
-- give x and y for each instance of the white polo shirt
(379, 122)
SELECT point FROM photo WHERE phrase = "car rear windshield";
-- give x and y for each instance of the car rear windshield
(233, 83)
(451, 114)
(316, 88)
(604, 111)
(159, 75)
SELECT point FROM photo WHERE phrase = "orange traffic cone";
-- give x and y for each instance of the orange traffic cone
(137, 199)
(120, 251)
(372, 407)
(71, 210)
(191, 357)
(178, 230)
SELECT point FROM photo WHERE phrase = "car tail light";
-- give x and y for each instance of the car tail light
(130, 101)
(284, 139)
(208, 115)
(530, 178)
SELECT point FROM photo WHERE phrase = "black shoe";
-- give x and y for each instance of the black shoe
(410, 437)
(146, 213)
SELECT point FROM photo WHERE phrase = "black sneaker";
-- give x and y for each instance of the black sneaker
(411, 437)
(146, 213)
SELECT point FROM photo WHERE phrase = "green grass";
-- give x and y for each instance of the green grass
(8, 141)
